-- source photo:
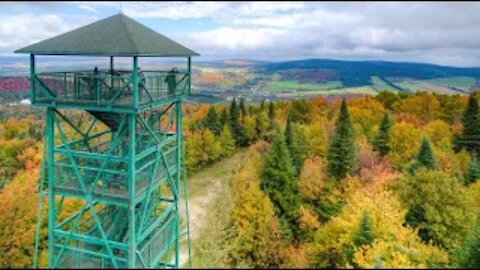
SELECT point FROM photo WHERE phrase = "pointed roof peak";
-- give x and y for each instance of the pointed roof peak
(117, 35)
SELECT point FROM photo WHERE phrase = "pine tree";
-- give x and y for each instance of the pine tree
(237, 128)
(364, 235)
(288, 129)
(425, 155)
(278, 181)
(212, 122)
(467, 254)
(243, 109)
(298, 145)
(262, 105)
(473, 173)
(425, 158)
(226, 140)
(263, 125)
(341, 154)
(470, 137)
(271, 112)
(224, 117)
(380, 143)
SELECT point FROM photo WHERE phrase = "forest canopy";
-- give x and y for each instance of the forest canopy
(364, 182)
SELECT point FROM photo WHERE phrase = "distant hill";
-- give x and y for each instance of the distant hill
(358, 73)
(231, 63)
(258, 80)
(15, 84)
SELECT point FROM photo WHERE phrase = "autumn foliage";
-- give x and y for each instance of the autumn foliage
(383, 182)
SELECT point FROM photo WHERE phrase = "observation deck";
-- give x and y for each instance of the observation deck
(106, 90)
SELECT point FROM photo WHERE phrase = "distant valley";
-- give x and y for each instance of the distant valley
(313, 77)
(217, 81)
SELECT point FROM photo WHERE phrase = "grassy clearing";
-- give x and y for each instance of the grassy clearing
(367, 90)
(441, 85)
(292, 85)
(411, 85)
(380, 85)
(210, 206)
(417, 85)
(462, 82)
(362, 90)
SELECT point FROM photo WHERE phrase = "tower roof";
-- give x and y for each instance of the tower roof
(117, 35)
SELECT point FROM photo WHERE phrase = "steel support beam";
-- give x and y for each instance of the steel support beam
(50, 132)
(132, 129)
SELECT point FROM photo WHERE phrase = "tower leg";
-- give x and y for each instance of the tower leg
(131, 180)
(51, 196)
(178, 131)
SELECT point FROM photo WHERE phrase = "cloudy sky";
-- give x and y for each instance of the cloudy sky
(439, 33)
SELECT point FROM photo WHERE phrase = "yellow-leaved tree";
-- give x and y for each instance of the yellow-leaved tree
(369, 233)
(253, 234)
(405, 140)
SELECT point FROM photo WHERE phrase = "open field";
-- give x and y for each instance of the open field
(297, 86)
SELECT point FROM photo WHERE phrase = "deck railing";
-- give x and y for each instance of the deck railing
(104, 88)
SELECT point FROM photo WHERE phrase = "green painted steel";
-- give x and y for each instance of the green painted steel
(187, 210)
(49, 143)
(117, 35)
(110, 93)
(132, 243)
(32, 77)
(126, 166)
(178, 114)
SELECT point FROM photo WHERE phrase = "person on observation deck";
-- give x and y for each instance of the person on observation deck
(95, 89)
(171, 80)
(141, 84)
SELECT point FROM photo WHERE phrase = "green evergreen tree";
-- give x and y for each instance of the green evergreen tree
(271, 112)
(243, 109)
(212, 122)
(380, 143)
(237, 129)
(233, 106)
(341, 154)
(470, 137)
(224, 117)
(467, 255)
(226, 140)
(298, 146)
(473, 173)
(425, 158)
(288, 129)
(263, 125)
(262, 105)
(278, 181)
(364, 235)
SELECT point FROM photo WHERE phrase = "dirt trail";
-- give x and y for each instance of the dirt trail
(203, 186)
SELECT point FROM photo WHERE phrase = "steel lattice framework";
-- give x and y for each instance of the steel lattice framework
(126, 166)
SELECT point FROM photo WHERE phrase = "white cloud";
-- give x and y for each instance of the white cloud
(236, 38)
(173, 10)
(20, 30)
(17, 31)
(443, 33)
(88, 7)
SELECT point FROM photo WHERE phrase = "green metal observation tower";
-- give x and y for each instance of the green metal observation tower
(126, 166)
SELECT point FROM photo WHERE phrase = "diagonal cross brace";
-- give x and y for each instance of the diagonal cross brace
(84, 189)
